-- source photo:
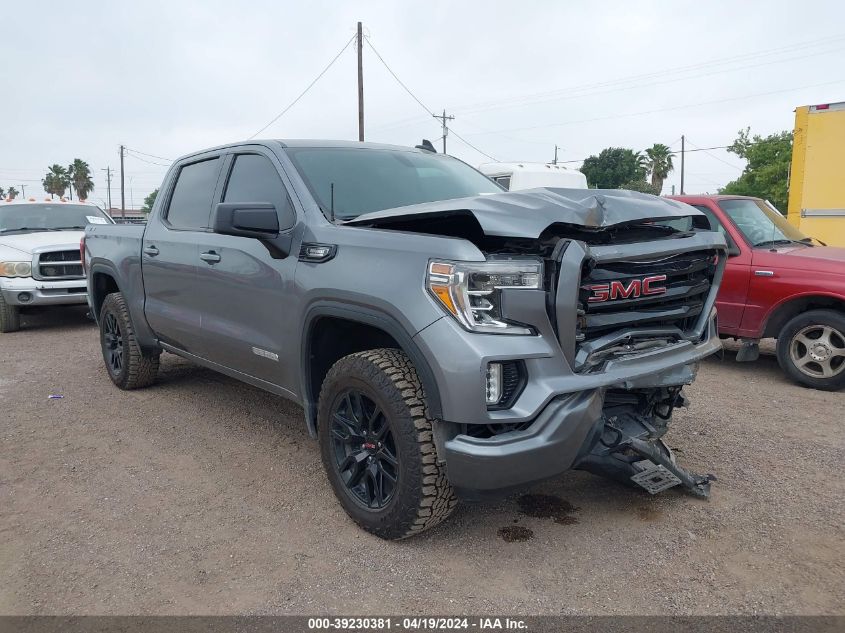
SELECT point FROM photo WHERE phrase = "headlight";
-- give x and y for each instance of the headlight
(15, 269)
(470, 291)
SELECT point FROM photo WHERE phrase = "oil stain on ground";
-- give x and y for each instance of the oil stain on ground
(548, 507)
(514, 533)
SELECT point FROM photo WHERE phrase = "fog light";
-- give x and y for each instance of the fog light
(494, 383)
(24, 297)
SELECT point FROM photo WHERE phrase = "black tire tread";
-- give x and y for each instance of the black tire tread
(10, 317)
(142, 368)
(389, 367)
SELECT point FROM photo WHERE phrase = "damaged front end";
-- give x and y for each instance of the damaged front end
(624, 313)
(628, 444)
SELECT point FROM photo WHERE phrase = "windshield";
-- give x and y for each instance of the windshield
(366, 180)
(49, 217)
(761, 224)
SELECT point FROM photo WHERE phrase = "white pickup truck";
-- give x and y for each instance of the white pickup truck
(39, 255)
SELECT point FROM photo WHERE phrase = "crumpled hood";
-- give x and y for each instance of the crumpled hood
(528, 213)
(27, 243)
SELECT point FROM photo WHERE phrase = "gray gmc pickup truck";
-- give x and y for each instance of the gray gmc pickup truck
(446, 339)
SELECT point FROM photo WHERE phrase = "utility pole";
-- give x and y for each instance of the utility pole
(108, 182)
(23, 191)
(683, 140)
(554, 162)
(360, 84)
(443, 118)
(122, 183)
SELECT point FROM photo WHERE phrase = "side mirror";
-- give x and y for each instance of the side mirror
(247, 219)
(733, 249)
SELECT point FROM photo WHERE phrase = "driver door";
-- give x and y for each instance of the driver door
(244, 287)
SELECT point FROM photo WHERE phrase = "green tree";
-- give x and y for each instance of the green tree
(80, 175)
(613, 167)
(12, 193)
(766, 171)
(2, 193)
(56, 181)
(642, 186)
(658, 162)
(149, 201)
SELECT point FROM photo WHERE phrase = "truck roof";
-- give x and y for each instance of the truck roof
(285, 143)
(33, 200)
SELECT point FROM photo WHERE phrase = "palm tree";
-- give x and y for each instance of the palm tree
(2, 193)
(658, 161)
(80, 175)
(56, 181)
(12, 193)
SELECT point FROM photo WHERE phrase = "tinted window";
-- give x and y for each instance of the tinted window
(505, 181)
(366, 180)
(190, 204)
(255, 179)
(32, 217)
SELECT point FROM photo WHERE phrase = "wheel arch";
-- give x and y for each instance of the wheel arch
(332, 331)
(788, 309)
(103, 283)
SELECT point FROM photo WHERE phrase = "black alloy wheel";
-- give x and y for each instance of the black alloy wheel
(112, 344)
(364, 449)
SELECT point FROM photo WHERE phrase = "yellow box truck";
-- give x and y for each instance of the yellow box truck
(817, 176)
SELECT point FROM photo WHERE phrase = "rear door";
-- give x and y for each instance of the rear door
(245, 287)
(170, 254)
(733, 293)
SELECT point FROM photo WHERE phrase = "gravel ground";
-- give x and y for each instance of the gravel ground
(201, 495)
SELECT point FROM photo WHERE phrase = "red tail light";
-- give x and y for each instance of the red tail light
(82, 253)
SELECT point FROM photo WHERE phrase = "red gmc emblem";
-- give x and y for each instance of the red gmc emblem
(618, 290)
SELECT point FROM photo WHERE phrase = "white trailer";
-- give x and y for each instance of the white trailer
(516, 176)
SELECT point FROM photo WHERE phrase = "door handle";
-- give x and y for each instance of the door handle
(764, 273)
(210, 257)
(150, 250)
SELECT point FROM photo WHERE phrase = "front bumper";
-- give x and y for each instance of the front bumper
(563, 411)
(43, 293)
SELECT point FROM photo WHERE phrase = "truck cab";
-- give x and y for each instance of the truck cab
(40, 262)
(779, 283)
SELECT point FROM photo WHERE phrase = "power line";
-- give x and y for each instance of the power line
(399, 81)
(668, 109)
(131, 154)
(638, 79)
(444, 118)
(170, 160)
(302, 94)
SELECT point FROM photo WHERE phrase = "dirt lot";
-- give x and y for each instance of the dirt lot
(202, 495)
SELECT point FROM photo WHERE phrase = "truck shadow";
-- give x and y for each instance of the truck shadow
(765, 366)
(66, 317)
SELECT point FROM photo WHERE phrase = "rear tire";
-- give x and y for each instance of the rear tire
(126, 363)
(377, 445)
(10, 317)
(811, 349)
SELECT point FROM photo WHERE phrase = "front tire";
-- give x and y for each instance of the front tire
(10, 317)
(811, 349)
(126, 363)
(377, 445)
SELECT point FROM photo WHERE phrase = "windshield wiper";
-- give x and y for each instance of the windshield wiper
(69, 228)
(780, 242)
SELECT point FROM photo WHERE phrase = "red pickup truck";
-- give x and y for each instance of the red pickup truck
(779, 283)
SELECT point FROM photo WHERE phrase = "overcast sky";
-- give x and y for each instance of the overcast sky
(167, 78)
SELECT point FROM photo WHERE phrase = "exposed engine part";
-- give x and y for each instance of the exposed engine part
(629, 448)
